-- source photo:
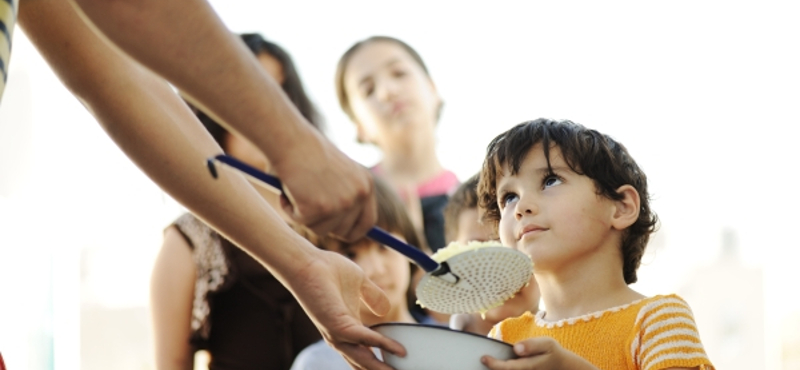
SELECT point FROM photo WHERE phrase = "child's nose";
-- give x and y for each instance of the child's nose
(524, 208)
(387, 90)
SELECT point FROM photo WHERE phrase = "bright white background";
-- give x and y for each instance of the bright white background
(704, 94)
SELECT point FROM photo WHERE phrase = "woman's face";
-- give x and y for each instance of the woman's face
(242, 149)
(389, 94)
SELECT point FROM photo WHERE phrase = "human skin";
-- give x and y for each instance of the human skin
(526, 299)
(573, 236)
(174, 275)
(185, 42)
(156, 129)
(394, 104)
(386, 268)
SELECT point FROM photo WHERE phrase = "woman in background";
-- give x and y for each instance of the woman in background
(207, 294)
(385, 88)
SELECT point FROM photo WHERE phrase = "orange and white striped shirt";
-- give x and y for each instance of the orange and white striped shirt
(649, 334)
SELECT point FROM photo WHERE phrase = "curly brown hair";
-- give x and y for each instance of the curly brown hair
(586, 152)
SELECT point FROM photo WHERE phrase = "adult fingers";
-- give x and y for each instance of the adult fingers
(345, 222)
(366, 215)
(367, 218)
(375, 298)
(362, 358)
(370, 338)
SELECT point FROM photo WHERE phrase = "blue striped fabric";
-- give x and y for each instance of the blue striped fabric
(8, 16)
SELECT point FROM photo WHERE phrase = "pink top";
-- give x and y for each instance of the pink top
(443, 183)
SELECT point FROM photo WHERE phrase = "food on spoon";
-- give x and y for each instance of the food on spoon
(522, 274)
(455, 248)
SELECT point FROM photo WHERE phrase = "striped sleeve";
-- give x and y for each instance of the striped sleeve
(8, 15)
(668, 337)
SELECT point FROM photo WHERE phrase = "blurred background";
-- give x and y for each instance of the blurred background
(705, 95)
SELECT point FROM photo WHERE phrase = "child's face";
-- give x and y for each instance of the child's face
(470, 228)
(388, 269)
(390, 95)
(555, 218)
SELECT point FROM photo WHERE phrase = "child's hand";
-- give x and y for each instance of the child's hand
(541, 353)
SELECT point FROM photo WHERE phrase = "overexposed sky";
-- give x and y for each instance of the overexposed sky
(705, 95)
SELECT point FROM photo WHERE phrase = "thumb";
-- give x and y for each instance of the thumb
(534, 346)
(374, 298)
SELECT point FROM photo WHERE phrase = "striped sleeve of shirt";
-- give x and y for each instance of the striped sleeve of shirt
(8, 16)
(668, 336)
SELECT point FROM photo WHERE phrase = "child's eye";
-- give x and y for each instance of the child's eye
(508, 198)
(368, 90)
(399, 73)
(551, 180)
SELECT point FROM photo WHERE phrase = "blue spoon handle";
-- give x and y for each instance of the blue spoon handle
(381, 236)
(377, 234)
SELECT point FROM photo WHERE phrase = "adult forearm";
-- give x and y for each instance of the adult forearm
(185, 42)
(150, 123)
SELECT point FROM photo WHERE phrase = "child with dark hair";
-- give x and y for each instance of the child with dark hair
(390, 270)
(576, 202)
(462, 224)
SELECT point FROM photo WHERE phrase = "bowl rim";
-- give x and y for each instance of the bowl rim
(439, 327)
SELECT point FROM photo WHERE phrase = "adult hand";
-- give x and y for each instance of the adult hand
(327, 191)
(540, 353)
(330, 289)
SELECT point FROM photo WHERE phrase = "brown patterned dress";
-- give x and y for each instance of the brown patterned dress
(242, 315)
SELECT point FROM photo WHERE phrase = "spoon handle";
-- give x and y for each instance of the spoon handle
(376, 233)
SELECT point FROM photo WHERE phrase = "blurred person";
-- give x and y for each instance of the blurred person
(384, 87)
(576, 202)
(389, 269)
(118, 59)
(207, 294)
(462, 224)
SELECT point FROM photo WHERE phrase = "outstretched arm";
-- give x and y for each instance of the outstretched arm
(153, 126)
(185, 42)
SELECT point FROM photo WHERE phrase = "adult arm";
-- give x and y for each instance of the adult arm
(171, 296)
(153, 126)
(185, 42)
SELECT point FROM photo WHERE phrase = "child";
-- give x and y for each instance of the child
(577, 203)
(462, 224)
(384, 87)
(390, 270)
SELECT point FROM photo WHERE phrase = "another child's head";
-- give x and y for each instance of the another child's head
(390, 270)
(556, 157)
(385, 88)
(279, 65)
(462, 222)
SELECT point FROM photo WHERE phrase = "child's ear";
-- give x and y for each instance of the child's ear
(626, 210)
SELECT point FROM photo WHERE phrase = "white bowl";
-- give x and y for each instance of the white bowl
(440, 348)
